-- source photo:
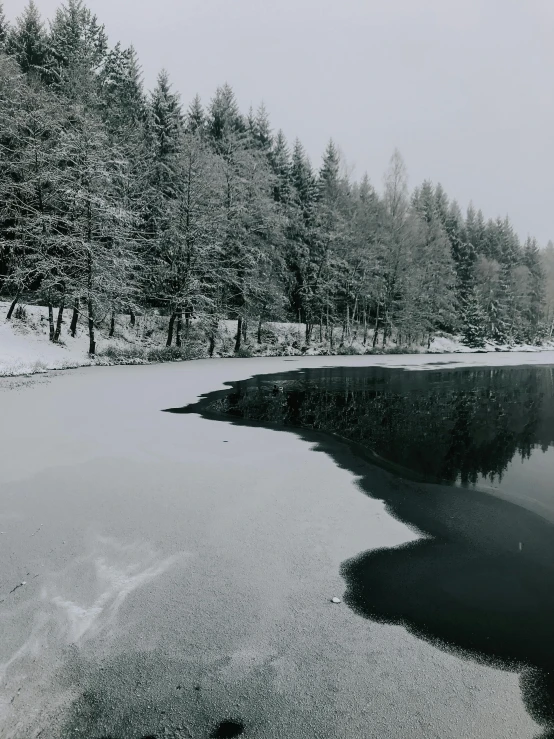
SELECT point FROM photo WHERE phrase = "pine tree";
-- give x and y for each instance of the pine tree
(98, 229)
(463, 251)
(31, 196)
(300, 231)
(4, 28)
(281, 165)
(76, 40)
(166, 129)
(261, 130)
(195, 119)
(26, 41)
(432, 267)
(442, 206)
(121, 92)
(225, 124)
(534, 312)
(396, 239)
(473, 321)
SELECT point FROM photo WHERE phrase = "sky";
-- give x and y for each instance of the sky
(463, 88)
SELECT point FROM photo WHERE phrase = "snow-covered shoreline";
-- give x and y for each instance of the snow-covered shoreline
(26, 350)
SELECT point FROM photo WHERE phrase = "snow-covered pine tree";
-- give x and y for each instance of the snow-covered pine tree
(165, 131)
(31, 197)
(76, 39)
(4, 28)
(395, 235)
(473, 320)
(281, 164)
(534, 311)
(26, 41)
(195, 118)
(432, 267)
(249, 209)
(98, 228)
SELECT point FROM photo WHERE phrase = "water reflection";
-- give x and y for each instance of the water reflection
(481, 580)
(455, 425)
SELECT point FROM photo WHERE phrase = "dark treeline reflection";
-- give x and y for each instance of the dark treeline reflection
(449, 425)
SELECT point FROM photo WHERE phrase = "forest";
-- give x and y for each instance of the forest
(117, 201)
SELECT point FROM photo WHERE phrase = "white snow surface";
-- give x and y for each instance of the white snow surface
(25, 348)
(157, 556)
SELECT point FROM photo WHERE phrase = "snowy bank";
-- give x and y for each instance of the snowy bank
(25, 348)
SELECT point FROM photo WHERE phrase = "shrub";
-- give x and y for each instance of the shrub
(245, 352)
(348, 350)
(269, 336)
(20, 313)
(121, 355)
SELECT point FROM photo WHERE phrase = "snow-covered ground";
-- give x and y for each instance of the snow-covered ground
(25, 348)
(178, 572)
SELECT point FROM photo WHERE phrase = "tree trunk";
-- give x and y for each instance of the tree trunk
(75, 317)
(238, 337)
(59, 320)
(308, 333)
(188, 316)
(331, 327)
(244, 329)
(365, 327)
(347, 323)
(260, 329)
(51, 329)
(132, 317)
(112, 325)
(170, 329)
(12, 306)
(376, 329)
(92, 342)
(178, 341)
(385, 333)
(321, 329)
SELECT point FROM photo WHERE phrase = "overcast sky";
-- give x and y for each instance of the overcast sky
(462, 87)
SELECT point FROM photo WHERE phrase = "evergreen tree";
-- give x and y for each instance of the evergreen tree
(281, 165)
(4, 28)
(396, 241)
(195, 119)
(98, 228)
(432, 267)
(122, 98)
(249, 209)
(473, 321)
(76, 40)
(26, 41)
(261, 130)
(225, 124)
(535, 309)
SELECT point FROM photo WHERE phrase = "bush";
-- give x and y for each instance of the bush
(269, 336)
(165, 354)
(20, 313)
(176, 353)
(348, 350)
(245, 352)
(122, 355)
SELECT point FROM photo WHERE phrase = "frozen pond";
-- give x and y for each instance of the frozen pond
(481, 580)
(178, 570)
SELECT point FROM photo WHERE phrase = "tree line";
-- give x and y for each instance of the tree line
(116, 200)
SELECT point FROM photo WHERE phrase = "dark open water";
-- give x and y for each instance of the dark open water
(471, 452)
